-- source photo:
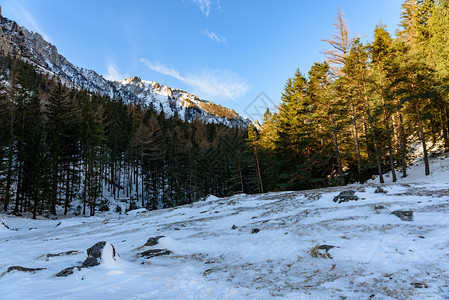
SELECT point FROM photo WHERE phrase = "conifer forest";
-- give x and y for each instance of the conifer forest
(360, 112)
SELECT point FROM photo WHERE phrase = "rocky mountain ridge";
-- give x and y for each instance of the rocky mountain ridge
(16, 40)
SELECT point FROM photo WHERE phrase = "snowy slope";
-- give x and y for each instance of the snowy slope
(376, 254)
(31, 46)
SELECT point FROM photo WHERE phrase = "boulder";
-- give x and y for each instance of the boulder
(404, 215)
(100, 251)
(66, 272)
(94, 254)
(255, 230)
(153, 240)
(346, 196)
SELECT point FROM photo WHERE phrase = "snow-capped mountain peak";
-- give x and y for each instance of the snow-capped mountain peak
(32, 47)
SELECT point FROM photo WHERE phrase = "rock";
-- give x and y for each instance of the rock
(346, 196)
(255, 230)
(325, 247)
(66, 272)
(419, 285)
(90, 262)
(23, 269)
(155, 252)
(234, 227)
(166, 90)
(72, 252)
(9, 228)
(153, 240)
(404, 215)
(380, 190)
(94, 254)
(103, 207)
(317, 251)
(95, 250)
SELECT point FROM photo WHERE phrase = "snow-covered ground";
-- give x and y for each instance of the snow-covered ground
(376, 254)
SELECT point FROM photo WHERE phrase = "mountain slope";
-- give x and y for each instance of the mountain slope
(375, 254)
(31, 46)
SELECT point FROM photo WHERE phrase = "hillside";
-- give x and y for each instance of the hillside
(375, 255)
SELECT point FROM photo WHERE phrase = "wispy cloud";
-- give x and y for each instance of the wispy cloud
(213, 36)
(113, 72)
(204, 5)
(21, 14)
(212, 84)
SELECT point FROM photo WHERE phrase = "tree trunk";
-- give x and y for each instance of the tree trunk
(356, 139)
(387, 126)
(54, 196)
(421, 132)
(401, 137)
(423, 140)
(365, 129)
(445, 123)
(258, 171)
(337, 152)
(373, 136)
(240, 173)
(67, 190)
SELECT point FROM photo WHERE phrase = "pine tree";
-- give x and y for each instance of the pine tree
(319, 89)
(357, 69)
(341, 44)
(59, 112)
(381, 54)
(253, 137)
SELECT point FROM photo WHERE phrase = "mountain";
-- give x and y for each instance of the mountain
(33, 48)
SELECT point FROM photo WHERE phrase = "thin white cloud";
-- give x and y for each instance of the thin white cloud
(213, 36)
(210, 84)
(113, 72)
(204, 5)
(23, 16)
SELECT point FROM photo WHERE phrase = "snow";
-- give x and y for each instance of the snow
(375, 252)
(211, 198)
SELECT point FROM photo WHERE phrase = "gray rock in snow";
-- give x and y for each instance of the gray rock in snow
(346, 196)
(93, 258)
(326, 247)
(153, 240)
(94, 255)
(155, 252)
(23, 269)
(404, 215)
(66, 272)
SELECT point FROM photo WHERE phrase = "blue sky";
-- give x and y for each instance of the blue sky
(226, 51)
